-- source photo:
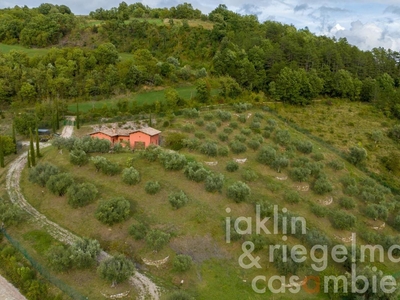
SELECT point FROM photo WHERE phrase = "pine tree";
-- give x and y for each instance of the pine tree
(32, 149)
(77, 116)
(14, 138)
(29, 159)
(1, 154)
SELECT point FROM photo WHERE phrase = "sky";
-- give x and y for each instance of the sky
(366, 24)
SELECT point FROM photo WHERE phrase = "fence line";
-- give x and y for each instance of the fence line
(43, 271)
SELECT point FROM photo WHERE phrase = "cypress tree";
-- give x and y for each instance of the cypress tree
(57, 117)
(37, 143)
(77, 116)
(14, 138)
(32, 150)
(29, 159)
(150, 123)
(1, 153)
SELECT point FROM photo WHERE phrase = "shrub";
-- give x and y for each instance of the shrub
(174, 140)
(249, 175)
(228, 130)
(347, 203)
(209, 148)
(92, 145)
(279, 163)
(199, 122)
(266, 134)
(336, 165)
(152, 187)
(351, 190)
(357, 155)
(223, 137)
(238, 191)
(182, 263)
(42, 173)
(305, 147)
(376, 211)
(59, 258)
(240, 137)
(138, 231)
(211, 127)
(81, 194)
(157, 239)
(322, 186)
(224, 115)
(109, 168)
(282, 137)
(241, 107)
(394, 133)
(84, 253)
(245, 131)
(116, 269)
(291, 197)
(233, 125)
(242, 119)
(78, 157)
(59, 183)
(318, 156)
(319, 211)
(195, 171)
(130, 176)
(214, 182)
(151, 153)
(237, 147)
(191, 113)
(178, 199)
(396, 223)
(253, 144)
(188, 128)
(208, 116)
(232, 166)
(172, 160)
(315, 168)
(192, 144)
(259, 241)
(342, 220)
(199, 135)
(223, 151)
(299, 174)
(113, 211)
(266, 155)
(255, 126)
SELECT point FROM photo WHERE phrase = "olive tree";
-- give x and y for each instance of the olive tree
(238, 191)
(116, 269)
(113, 211)
(81, 194)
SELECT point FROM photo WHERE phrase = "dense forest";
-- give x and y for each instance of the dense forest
(282, 62)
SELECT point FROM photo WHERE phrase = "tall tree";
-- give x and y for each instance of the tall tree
(29, 159)
(14, 137)
(32, 149)
(1, 154)
(77, 116)
(37, 143)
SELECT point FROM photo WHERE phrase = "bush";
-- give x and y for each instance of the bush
(266, 155)
(322, 186)
(223, 137)
(182, 263)
(105, 166)
(233, 125)
(242, 119)
(223, 151)
(78, 157)
(211, 127)
(342, 220)
(245, 131)
(253, 144)
(249, 175)
(188, 128)
(172, 160)
(299, 174)
(178, 199)
(199, 122)
(224, 115)
(241, 107)
(138, 231)
(280, 163)
(116, 269)
(351, 190)
(42, 173)
(192, 144)
(195, 171)
(319, 211)
(174, 140)
(152, 187)
(130, 176)
(151, 153)
(214, 182)
(241, 138)
(305, 147)
(191, 113)
(228, 130)
(266, 134)
(357, 155)
(347, 203)
(396, 223)
(92, 145)
(291, 197)
(113, 211)
(318, 156)
(336, 165)
(282, 137)
(81, 194)
(199, 135)
(157, 239)
(376, 211)
(84, 253)
(238, 191)
(208, 116)
(59, 258)
(209, 148)
(237, 147)
(232, 166)
(394, 133)
(58, 184)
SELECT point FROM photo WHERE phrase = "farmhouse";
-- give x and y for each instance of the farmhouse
(137, 138)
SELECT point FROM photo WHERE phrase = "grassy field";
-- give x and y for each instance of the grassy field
(29, 51)
(198, 228)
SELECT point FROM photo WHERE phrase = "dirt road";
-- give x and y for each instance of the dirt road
(145, 287)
